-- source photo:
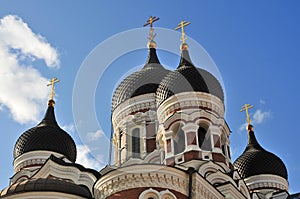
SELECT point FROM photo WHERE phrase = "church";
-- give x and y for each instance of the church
(170, 140)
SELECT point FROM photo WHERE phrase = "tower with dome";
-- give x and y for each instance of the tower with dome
(170, 140)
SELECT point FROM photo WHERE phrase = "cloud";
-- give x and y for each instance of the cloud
(93, 136)
(85, 158)
(262, 102)
(70, 128)
(23, 89)
(258, 117)
(16, 34)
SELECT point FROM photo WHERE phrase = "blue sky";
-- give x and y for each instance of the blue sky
(255, 46)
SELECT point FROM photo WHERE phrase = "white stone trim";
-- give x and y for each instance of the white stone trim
(210, 167)
(189, 99)
(135, 104)
(266, 181)
(44, 195)
(150, 193)
(166, 194)
(203, 189)
(33, 158)
(136, 176)
(230, 191)
(66, 173)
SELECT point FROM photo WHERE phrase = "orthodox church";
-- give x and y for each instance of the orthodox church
(170, 141)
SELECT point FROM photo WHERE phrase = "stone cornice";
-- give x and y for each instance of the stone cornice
(266, 181)
(190, 100)
(136, 104)
(136, 176)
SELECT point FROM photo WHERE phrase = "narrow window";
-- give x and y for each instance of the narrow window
(204, 140)
(136, 143)
(179, 141)
(201, 136)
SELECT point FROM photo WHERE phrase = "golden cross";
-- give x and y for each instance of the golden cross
(150, 22)
(181, 26)
(246, 108)
(52, 82)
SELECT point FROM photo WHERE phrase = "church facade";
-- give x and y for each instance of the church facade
(170, 141)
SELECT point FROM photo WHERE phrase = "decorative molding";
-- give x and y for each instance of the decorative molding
(203, 189)
(266, 181)
(70, 173)
(187, 100)
(44, 194)
(136, 104)
(34, 159)
(137, 176)
(152, 193)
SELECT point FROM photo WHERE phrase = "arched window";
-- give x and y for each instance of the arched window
(204, 141)
(135, 141)
(179, 139)
(223, 144)
(201, 136)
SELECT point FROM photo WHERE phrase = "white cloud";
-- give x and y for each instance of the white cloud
(22, 88)
(243, 127)
(85, 158)
(93, 136)
(70, 128)
(259, 117)
(262, 102)
(16, 34)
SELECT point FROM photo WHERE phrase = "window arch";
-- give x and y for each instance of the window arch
(149, 194)
(136, 143)
(204, 140)
(166, 194)
(179, 138)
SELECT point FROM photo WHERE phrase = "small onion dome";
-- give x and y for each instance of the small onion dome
(46, 185)
(188, 78)
(255, 160)
(46, 136)
(141, 82)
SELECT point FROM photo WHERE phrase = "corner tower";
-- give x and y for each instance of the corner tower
(44, 163)
(263, 172)
(36, 145)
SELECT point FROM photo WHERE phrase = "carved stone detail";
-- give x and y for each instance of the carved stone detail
(135, 177)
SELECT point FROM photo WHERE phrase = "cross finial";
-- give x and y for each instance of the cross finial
(150, 22)
(53, 81)
(246, 108)
(181, 26)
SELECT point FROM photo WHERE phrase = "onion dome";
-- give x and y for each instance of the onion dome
(255, 160)
(188, 78)
(141, 82)
(46, 185)
(46, 136)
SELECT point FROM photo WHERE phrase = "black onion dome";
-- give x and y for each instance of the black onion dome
(46, 136)
(141, 82)
(188, 78)
(46, 184)
(255, 161)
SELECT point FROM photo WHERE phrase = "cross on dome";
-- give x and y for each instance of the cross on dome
(53, 81)
(246, 108)
(150, 22)
(181, 26)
